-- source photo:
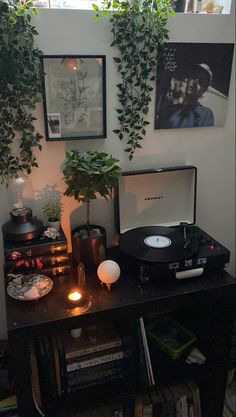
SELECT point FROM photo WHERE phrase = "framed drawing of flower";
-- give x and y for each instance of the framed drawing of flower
(74, 96)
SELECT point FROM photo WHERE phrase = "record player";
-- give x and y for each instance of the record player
(155, 216)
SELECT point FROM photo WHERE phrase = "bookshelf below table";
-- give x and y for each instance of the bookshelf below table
(203, 305)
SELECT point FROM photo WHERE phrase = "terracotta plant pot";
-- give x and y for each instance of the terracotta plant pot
(90, 250)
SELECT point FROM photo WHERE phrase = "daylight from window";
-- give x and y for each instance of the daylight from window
(66, 4)
(180, 6)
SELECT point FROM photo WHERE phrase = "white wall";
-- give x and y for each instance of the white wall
(212, 150)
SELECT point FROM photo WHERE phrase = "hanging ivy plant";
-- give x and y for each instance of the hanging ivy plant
(138, 28)
(20, 88)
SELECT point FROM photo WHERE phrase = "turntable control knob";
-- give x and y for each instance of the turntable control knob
(212, 246)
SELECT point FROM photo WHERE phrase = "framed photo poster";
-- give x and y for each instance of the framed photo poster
(74, 96)
(193, 82)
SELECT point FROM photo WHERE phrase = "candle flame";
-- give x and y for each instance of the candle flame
(74, 296)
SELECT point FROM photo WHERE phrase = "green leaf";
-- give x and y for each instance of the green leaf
(105, 13)
(96, 17)
(121, 136)
(20, 89)
(99, 174)
(34, 11)
(138, 29)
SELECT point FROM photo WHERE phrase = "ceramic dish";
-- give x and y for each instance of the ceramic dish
(28, 287)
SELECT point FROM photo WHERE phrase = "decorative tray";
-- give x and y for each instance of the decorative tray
(28, 287)
(170, 336)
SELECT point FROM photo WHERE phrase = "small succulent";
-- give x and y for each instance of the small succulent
(53, 211)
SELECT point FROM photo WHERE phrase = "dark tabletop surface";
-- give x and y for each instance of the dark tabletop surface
(127, 296)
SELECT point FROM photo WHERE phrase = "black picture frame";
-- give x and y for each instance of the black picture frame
(74, 97)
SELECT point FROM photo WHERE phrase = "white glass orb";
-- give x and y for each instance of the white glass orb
(108, 272)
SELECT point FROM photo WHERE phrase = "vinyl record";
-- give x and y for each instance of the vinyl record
(156, 244)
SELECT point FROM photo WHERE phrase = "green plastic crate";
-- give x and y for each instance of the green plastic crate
(170, 336)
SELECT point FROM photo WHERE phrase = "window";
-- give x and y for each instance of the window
(180, 6)
(66, 4)
(202, 6)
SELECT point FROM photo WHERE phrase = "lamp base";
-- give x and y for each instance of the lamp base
(22, 226)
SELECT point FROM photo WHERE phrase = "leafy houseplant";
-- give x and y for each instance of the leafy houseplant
(53, 211)
(138, 28)
(87, 175)
(20, 88)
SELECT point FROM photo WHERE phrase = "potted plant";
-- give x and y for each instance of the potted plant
(53, 212)
(88, 175)
(138, 28)
(20, 89)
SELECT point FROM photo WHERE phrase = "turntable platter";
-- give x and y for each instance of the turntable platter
(156, 244)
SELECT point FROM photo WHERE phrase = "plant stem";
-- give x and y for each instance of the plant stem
(88, 217)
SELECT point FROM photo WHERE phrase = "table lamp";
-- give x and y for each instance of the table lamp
(22, 226)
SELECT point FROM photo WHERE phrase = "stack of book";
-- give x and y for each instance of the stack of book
(180, 400)
(62, 364)
(41, 255)
(96, 357)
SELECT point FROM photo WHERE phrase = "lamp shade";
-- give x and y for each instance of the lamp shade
(22, 226)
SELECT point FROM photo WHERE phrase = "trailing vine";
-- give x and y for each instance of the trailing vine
(138, 28)
(20, 88)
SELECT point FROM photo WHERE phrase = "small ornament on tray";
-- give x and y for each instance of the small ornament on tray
(28, 287)
(51, 232)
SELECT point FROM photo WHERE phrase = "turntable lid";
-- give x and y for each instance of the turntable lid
(158, 197)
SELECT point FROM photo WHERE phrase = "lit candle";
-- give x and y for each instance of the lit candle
(74, 296)
(78, 301)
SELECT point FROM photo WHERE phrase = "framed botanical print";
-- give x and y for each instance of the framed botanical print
(74, 96)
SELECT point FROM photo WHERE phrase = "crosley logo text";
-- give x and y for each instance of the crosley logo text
(158, 197)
